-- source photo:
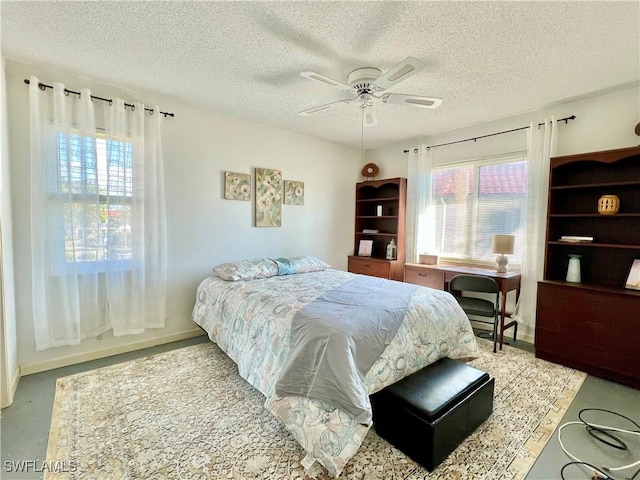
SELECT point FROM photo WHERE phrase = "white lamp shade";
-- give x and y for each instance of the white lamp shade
(502, 244)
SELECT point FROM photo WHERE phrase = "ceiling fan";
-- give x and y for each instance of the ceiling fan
(370, 83)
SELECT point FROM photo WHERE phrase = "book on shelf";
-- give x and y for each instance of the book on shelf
(370, 230)
(576, 238)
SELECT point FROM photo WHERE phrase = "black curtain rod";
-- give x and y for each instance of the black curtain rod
(44, 86)
(565, 120)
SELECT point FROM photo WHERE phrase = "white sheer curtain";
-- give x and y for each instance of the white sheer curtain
(541, 146)
(420, 224)
(98, 228)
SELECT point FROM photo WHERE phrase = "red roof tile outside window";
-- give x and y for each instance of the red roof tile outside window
(475, 201)
(504, 178)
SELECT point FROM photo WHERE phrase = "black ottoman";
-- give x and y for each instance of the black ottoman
(429, 413)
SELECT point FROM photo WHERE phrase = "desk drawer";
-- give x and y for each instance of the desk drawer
(367, 266)
(423, 276)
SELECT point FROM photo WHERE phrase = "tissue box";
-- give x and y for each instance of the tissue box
(428, 259)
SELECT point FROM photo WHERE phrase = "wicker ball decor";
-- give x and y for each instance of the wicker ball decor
(608, 205)
(370, 170)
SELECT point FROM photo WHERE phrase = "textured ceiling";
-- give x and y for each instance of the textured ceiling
(486, 60)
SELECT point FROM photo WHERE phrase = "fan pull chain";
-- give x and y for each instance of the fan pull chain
(361, 134)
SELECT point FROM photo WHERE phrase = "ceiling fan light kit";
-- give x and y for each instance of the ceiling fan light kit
(369, 116)
(367, 83)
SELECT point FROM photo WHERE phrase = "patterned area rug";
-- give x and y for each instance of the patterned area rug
(187, 414)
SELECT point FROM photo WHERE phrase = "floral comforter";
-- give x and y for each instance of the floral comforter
(251, 322)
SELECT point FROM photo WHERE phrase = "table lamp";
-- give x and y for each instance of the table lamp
(502, 244)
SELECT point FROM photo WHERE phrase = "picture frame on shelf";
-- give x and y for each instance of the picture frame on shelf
(365, 248)
(633, 279)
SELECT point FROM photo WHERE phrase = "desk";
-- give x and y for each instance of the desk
(438, 276)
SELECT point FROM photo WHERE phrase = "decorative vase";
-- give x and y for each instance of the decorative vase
(573, 272)
(608, 205)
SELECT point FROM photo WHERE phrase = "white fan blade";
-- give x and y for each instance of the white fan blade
(318, 77)
(321, 108)
(369, 118)
(414, 100)
(403, 70)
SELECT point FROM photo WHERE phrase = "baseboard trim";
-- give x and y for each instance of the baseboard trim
(106, 352)
(526, 337)
(9, 389)
(14, 384)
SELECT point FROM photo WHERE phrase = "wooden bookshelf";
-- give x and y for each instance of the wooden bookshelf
(391, 196)
(593, 325)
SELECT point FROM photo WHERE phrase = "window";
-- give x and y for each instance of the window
(475, 200)
(95, 185)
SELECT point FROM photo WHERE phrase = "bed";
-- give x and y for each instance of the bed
(256, 309)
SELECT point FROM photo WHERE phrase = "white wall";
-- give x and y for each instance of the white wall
(605, 121)
(203, 228)
(8, 337)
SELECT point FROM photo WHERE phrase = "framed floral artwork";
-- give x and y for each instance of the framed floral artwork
(293, 192)
(237, 186)
(268, 197)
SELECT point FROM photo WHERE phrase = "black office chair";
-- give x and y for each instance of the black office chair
(478, 306)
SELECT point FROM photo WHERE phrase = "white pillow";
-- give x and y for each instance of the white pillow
(247, 269)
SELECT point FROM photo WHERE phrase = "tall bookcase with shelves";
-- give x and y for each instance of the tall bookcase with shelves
(380, 213)
(594, 324)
